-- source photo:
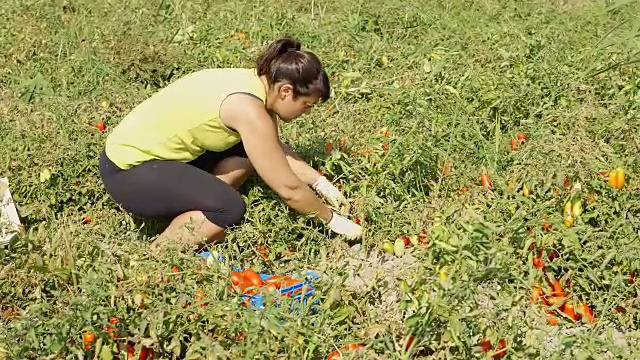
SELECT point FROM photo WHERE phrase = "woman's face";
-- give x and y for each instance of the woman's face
(287, 108)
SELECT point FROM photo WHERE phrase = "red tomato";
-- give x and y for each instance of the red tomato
(485, 345)
(553, 255)
(521, 136)
(101, 126)
(501, 349)
(350, 347)
(253, 279)
(405, 240)
(145, 354)
(328, 147)
(275, 280)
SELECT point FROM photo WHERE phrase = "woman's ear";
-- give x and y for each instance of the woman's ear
(285, 90)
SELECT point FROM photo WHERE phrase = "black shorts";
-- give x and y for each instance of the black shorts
(164, 189)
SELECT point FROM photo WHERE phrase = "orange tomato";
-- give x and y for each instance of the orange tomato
(521, 136)
(551, 318)
(536, 293)
(350, 347)
(236, 277)
(586, 312)
(484, 179)
(275, 280)
(568, 309)
(538, 263)
(200, 296)
(88, 338)
(253, 278)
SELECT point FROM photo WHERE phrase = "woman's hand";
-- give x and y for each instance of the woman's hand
(329, 192)
(343, 226)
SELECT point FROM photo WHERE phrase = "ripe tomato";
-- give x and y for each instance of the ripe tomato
(405, 240)
(484, 179)
(200, 296)
(553, 255)
(88, 338)
(274, 280)
(463, 190)
(101, 126)
(536, 293)
(145, 353)
(253, 278)
(335, 354)
(521, 136)
(556, 287)
(113, 334)
(568, 309)
(551, 318)
(538, 263)
(501, 349)
(586, 311)
(485, 345)
(236, 277)
(328, 147)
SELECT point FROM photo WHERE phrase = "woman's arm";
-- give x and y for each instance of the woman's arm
(248, 117)
(301, 168)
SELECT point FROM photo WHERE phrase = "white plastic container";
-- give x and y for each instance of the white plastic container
(9, 219)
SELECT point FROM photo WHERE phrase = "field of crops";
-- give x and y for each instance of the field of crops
(476, 140)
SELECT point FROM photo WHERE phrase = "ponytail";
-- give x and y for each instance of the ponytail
(284, 61)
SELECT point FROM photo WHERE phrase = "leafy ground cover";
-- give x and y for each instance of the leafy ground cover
(428, 97)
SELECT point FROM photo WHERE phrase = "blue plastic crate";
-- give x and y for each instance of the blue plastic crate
(257, 301)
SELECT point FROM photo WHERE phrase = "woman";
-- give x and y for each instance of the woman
(184, 152)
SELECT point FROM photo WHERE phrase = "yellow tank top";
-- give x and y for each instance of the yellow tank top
(181, 121)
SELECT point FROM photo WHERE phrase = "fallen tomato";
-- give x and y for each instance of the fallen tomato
(616, 178)
(484, 180)
(568, 309)
(336, 354)
(536, 293)
(586, 311)
(101, 126)
(387, 247)
(501, 349)
(485, 345)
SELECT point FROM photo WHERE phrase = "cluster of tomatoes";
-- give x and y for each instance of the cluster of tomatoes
(556, 297)
(89, 339)
(250, 282)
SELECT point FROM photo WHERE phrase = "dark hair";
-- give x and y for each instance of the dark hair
(284, 61)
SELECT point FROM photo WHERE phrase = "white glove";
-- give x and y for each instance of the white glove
(328, 191)
(343, 226)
